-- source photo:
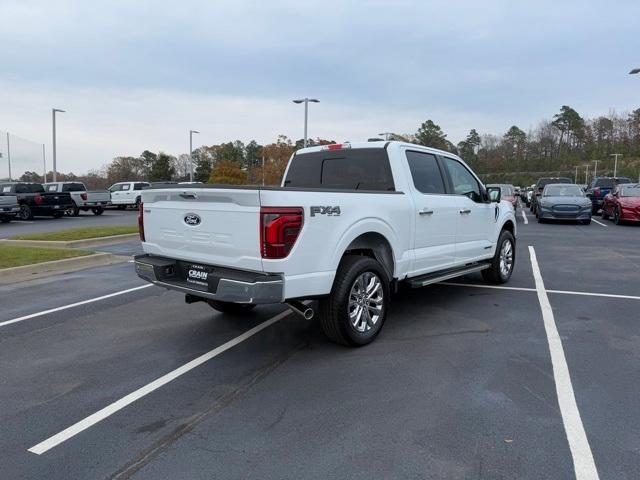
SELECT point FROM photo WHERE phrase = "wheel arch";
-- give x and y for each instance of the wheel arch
(376, 246)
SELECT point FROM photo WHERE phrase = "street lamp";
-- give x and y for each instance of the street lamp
(53, 114)
(615, 165)
(306, 113)
(634, 71)
(191, 132)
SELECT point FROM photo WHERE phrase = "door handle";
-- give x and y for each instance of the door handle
(465, 211)
(424, 211)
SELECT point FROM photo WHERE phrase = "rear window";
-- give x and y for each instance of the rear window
(546, 181)
(6, 188)
(610, 182)
(357, 169)
(73, 187)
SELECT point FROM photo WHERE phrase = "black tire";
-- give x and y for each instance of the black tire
(97, 210)
(230, 308)
(616, 217)
(72, 211)
(540, 220)
(121, 207)
(585, 222)
(594, 210)
(333, 311)
(57, 214)
(137, 205)
(494, 274)
(5, 219)
(604, 214)
(25, 213)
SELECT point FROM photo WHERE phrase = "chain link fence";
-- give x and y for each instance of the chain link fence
(21, 158)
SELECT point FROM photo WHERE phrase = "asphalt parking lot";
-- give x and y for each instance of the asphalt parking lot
(85, 219)
(105, 377)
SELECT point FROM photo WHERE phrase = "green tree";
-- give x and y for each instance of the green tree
(162, 168)
(431, 135)
(30, 177)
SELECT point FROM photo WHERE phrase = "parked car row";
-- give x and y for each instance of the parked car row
(25, 200)
(622, 204)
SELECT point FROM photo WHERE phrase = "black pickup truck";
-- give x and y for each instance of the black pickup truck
(34, 201)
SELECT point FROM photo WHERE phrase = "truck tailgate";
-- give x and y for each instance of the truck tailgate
(212, 226)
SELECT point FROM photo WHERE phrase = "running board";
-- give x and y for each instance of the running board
(437, 277)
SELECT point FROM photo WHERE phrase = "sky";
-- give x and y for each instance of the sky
(139, 75)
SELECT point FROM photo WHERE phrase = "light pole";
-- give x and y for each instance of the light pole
(615, 165)
(576, 176)
(53, 114)
(586, 175)
(44, 163)
(634, 71)
(191, 132)
(9, 156)
(595, 170)
(306, 101)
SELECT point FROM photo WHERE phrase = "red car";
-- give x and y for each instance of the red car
(623, 204)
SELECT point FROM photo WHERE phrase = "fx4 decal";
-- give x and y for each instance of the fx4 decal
(331, 211)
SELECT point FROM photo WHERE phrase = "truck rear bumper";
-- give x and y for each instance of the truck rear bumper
(210, 281)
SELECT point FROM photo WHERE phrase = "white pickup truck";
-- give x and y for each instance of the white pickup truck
(347, 224)
(83, 200)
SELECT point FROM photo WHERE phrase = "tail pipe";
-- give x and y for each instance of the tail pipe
(301, 309)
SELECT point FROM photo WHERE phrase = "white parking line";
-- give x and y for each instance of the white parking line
(583, 462)
(525, 289)
(71, 305)
(599, 223)
(109, 410)
(524, 217)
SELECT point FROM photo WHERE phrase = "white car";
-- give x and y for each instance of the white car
(348, 223)
(83, 200)
(127, 194)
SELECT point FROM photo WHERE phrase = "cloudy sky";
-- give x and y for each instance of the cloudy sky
(138, 75)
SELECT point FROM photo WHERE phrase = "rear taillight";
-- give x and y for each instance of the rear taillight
(279, 230)
(141, 221)
(83, 196)
(38, 199)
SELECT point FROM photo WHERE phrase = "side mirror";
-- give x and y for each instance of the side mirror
(494, 193)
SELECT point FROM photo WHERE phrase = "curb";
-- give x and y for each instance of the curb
(54, 267)
(88, 242)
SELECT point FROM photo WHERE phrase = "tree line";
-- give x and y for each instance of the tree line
(555, 147)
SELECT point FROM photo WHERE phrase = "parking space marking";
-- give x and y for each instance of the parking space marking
(525, 289)
(524, 217)
(583, 462)
(599, 223)
(109, 410)
(71, 305)
(497, 287)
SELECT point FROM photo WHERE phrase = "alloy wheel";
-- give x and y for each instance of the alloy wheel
(365, 301)
(506, 258)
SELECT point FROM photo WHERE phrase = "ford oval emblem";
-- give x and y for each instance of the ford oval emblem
(192, 219)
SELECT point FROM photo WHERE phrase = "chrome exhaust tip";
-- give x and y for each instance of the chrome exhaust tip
(301, 309)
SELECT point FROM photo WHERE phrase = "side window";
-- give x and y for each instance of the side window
(464, 183)
(139, 186)
(126, 186)
(115, 188)
(22, 189)
(425, 172)
(51, 188)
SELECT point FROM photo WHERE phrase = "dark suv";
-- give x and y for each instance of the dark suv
(540, 184)
(600, 187)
